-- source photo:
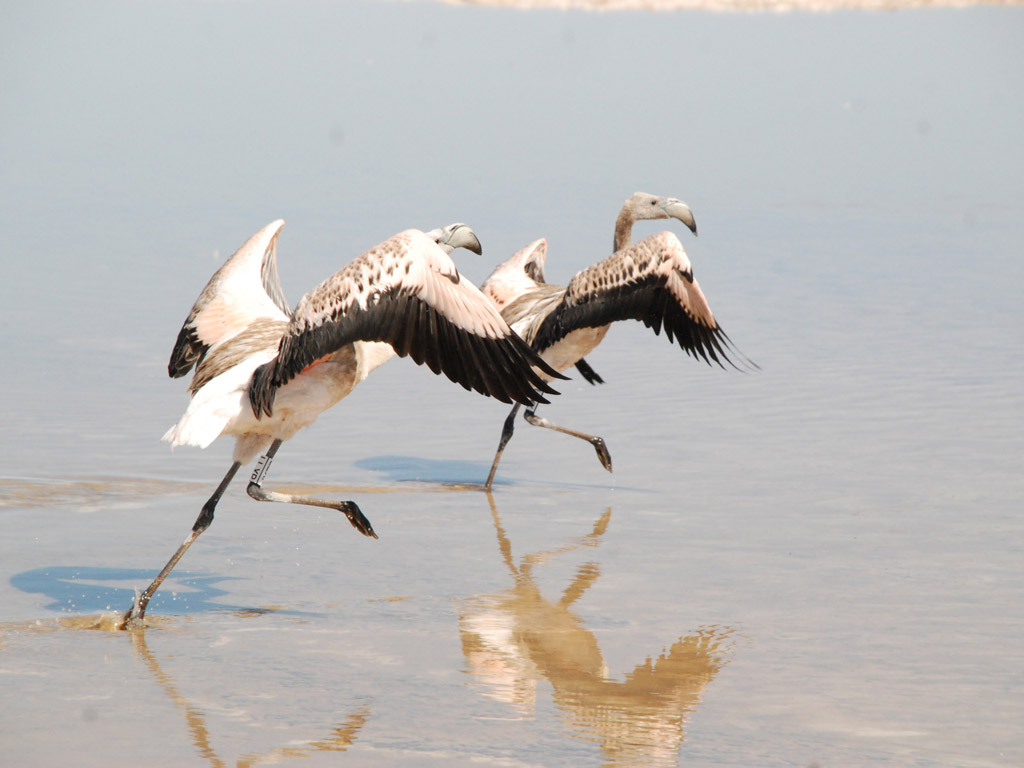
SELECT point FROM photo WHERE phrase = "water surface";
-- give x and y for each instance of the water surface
(816, 563)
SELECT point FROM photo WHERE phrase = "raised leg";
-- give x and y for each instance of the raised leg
(506, 435)
(133, 617)
(256, 491)
(598, 442)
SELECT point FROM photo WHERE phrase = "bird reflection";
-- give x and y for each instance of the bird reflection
(517, 638)
(339, 739)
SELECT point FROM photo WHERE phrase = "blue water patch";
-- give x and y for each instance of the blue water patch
(74, 589)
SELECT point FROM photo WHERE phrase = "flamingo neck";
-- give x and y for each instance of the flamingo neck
(623, 229)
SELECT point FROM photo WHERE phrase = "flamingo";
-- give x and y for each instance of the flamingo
(263, 371)
(651, 281)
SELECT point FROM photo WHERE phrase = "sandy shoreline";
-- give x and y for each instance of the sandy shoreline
(750, 6)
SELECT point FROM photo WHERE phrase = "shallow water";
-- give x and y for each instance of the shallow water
(820, 562)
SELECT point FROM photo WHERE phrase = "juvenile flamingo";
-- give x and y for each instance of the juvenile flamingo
(651, 281)
(263, 371)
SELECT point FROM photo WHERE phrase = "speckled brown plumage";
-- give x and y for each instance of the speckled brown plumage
(406, 293)
(651, 281)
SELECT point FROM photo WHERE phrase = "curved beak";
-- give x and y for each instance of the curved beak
(456, 236)
(677, 209)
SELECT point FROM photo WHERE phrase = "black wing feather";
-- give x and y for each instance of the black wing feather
(588, 373)
(188, 351)
(648, 300)
(501, 368)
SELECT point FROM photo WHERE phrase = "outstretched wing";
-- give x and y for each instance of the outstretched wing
(651, 281)
(246, 288)
(406, 292)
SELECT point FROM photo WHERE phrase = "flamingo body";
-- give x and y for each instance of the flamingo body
(264, 371)
(651, 281)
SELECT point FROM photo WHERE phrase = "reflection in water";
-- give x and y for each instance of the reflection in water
(339, 739)
(193, 717)
(515, 639)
